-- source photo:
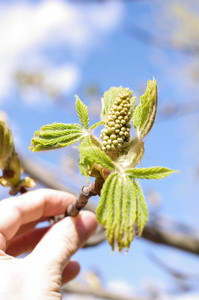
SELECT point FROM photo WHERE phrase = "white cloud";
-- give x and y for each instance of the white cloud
(54, 80)
(63, 78)
(26, 29)
(187, 296)
(120, 287)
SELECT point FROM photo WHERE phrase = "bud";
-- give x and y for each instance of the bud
(6, 144)
(10, 163)
(117, 126)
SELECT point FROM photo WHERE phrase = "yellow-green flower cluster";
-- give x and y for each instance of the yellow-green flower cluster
(116, 131)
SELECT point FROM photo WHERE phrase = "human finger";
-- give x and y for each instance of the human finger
(27, 227)
(63, 239)
(29, 207)
(26, 242)
(70, 271)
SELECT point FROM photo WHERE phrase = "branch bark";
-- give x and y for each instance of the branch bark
(80, 202)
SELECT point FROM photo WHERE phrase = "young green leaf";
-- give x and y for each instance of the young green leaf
(95, 154)
(56, 136)
(114, 206)
(85, 166)
(134, 155)
(149, 173)
(141, 211)
(82, 111)
(117, 210)
(109, 98)
(144, 114)
(127, 215)
(107, 194)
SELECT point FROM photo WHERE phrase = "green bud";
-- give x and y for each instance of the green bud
(10, 163)
(118, 121)
(127, 134)
(111, 124)
(124, 96)
(6, 143)
(112, 129)
(115, 142)
(106, 131)
(117, 126)
(104, 143)
(113, 136)
(120, 140)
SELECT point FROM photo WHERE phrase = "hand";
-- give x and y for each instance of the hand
(40, 274)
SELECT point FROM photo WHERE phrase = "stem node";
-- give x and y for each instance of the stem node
(86, 192)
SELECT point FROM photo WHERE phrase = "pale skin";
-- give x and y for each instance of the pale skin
(41, 273)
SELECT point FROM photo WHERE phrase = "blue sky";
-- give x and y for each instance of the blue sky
(75, 45)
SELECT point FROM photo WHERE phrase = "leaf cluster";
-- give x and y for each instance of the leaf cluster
(122, 204)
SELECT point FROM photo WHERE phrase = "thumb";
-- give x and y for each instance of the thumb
(64, 238)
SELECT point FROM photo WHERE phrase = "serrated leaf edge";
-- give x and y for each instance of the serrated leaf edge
(150, 173)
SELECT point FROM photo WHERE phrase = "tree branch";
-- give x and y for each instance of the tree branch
(80, 202)
(176, 240)
(41, 174)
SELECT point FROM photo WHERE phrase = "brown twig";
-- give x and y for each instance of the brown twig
(86, 192)
(186, 242)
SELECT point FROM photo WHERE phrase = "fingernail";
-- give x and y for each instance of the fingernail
(86, 224)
